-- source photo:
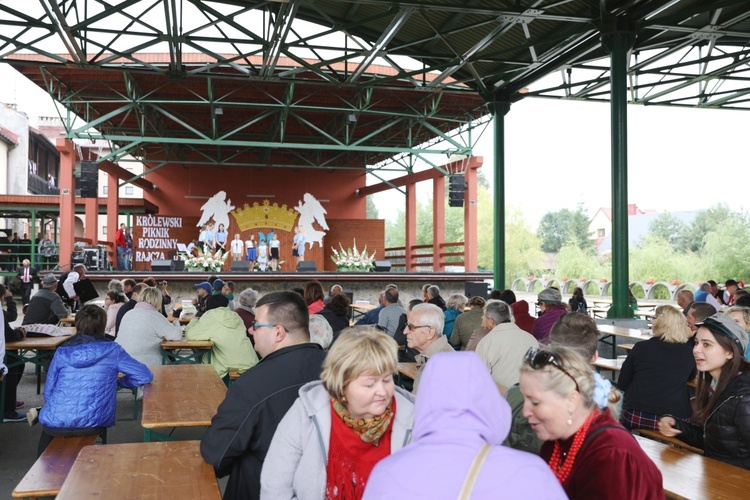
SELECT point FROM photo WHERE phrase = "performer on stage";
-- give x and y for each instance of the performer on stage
(274, 244)
(250, 246)
(262, 254)
(207, 239)
(298, 250)
(237, 247)
(221, 239)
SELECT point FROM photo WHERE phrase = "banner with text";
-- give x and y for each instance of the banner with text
(155, 237)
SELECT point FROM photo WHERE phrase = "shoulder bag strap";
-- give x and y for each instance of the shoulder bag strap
(473, 474)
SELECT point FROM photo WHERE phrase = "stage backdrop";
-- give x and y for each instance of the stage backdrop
(156, 237)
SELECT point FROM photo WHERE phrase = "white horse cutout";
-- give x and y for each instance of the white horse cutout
(311, 211)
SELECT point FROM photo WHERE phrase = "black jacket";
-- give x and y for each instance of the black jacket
(654, 378)
(338, 323)
(242, 429)
(438, 301)
(726, 434)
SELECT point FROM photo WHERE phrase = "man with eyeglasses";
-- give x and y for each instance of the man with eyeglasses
(242, 429)
(424, 332)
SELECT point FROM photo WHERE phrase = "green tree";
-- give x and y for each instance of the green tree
(565, 226)
(372, 210)
(705, 222)
(725, 250)
(523, 254)
(669, 228)
(574, 263)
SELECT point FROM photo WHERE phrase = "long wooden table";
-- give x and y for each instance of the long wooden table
(180, 396)
(609, 332)
(35, 350)
(170, 351)
(141, 470)
(689, 475)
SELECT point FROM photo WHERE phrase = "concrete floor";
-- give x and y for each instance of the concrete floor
(18, 441)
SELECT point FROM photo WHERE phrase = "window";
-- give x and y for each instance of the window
(128, 189)
(600, 233)
(104, 230)
(105, 190)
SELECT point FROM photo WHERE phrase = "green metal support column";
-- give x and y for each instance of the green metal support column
(499, 108)
(32, 237)
(618, 41)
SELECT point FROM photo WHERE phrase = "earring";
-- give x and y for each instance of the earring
(343, 399)
(570, 419)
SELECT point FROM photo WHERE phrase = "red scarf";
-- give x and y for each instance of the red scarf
(350, 459)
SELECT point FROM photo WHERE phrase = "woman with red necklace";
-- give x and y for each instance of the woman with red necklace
(341, 426)
(591, 454)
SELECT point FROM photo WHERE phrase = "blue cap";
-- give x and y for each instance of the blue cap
(205, 285)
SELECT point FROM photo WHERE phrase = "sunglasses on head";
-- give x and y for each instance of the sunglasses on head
(539, 358)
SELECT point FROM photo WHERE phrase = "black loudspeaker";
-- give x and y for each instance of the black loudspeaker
(161, 265)
(178, 265)
(89, 183)
(456, 190)
(382, 266)
(477, 289)
(307, 266)
(241, 266)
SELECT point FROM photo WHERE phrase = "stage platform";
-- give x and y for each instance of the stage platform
(364, 286)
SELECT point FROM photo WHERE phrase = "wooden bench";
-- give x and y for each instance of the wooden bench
(658, 436)
(47, 475)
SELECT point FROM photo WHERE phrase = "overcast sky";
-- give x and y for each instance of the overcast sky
(558, 154)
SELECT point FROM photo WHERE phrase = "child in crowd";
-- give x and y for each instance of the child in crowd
(81, 388)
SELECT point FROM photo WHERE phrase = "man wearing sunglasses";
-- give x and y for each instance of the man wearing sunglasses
(241, 432)
(424, 332)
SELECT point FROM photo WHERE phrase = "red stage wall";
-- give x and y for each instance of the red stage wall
(174, 182)
(345, 212)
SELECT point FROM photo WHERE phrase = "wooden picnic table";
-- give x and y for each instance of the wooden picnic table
(70, 320)
(408, 369)
(170, 354)
(609, 332)
(689, 475)
(141, 470)
(608, 364)
(35, 350)
(183, 395)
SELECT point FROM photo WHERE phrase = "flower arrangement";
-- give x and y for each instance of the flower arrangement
(206, 262)
(353, 260)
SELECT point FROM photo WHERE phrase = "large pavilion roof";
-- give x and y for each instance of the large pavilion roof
(250, 82)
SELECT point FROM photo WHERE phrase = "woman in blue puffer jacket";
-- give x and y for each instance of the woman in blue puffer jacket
(81, 387)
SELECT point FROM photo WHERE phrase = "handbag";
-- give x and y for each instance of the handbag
(474, 470)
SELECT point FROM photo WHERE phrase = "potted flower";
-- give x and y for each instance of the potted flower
(351, 260)
(206, 262)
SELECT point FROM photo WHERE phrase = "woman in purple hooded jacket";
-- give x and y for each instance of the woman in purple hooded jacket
(459, 409)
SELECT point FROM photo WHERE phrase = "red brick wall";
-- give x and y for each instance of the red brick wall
(370, 232)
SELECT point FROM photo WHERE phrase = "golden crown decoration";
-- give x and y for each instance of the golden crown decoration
(264, 215)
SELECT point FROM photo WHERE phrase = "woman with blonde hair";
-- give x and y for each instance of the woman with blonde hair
(654, 376)
(590, 453)
(341, 426)
(143, 328)
(741, 316)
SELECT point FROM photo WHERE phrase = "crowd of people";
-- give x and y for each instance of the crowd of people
(506, 401)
